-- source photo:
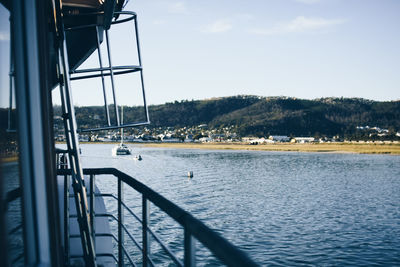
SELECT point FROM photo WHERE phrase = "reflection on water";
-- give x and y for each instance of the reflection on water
(13, 214)
(282, 208)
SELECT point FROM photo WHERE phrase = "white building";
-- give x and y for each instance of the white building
(205, 139)
(303, 140)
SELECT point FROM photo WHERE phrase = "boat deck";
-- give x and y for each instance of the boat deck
(104, 243)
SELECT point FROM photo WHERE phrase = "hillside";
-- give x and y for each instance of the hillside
(252, 115)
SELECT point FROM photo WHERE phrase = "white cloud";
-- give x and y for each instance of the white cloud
(222, 25)
(308, 2)
(177, 8)
(245, 16)
(159, 22)
(4, 36)
(299, 25)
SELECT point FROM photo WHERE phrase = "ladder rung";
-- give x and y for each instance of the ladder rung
(117, 72)
(128, 67)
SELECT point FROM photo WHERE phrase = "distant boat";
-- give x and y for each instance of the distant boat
(121, 149)
(138, 157)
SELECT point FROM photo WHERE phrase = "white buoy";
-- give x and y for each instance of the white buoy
(190, 174)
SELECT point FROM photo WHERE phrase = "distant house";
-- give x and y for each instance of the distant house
(218, 137)
(303, 140)
(279, 138)
(205, 139)
(248, 139)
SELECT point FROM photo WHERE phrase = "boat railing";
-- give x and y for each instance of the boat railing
(61, 158)
(111, 70)
(193, 228)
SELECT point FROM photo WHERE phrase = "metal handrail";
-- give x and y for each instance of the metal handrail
(220, 247)
(109, 215)
(133, 124)
(123, 226)
(155, 236)
(123, 70)
(107, 235)
(106, 68)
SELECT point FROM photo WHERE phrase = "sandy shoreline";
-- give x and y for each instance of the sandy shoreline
(356, 148)
(393, 149)
(8, 159)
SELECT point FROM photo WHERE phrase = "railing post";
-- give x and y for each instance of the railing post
(190, 249)
(120, 223)
(145, 222)
(102, 77)
(58, 161)
(66, 219)
(112, 78)
(92, 210)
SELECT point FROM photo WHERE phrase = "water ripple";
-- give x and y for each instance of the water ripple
(282, 208)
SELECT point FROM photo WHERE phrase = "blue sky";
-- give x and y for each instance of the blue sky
(4, 57)
(300, 48)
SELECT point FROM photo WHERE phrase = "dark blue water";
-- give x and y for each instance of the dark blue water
(10, 176)
(281, 208)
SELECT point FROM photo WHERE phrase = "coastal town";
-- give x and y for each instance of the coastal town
(203, 134)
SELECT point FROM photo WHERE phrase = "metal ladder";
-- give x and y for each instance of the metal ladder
(66, 75)
(68, 115)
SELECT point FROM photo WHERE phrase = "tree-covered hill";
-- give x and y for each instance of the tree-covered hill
(253, 115)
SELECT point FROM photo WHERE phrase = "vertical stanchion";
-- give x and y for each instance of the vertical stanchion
(102, 77)
(146, 111)
(190, 250)
(112, 79)
(66, 217)
(92, 210)
(58, 161)
(11, 77)
(145, 222)
(120, 223)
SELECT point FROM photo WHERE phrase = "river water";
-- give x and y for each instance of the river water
(282, 208)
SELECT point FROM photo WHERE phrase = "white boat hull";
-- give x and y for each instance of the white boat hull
(121, 150)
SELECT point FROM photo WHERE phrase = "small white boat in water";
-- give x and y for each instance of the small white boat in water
(121, 149)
